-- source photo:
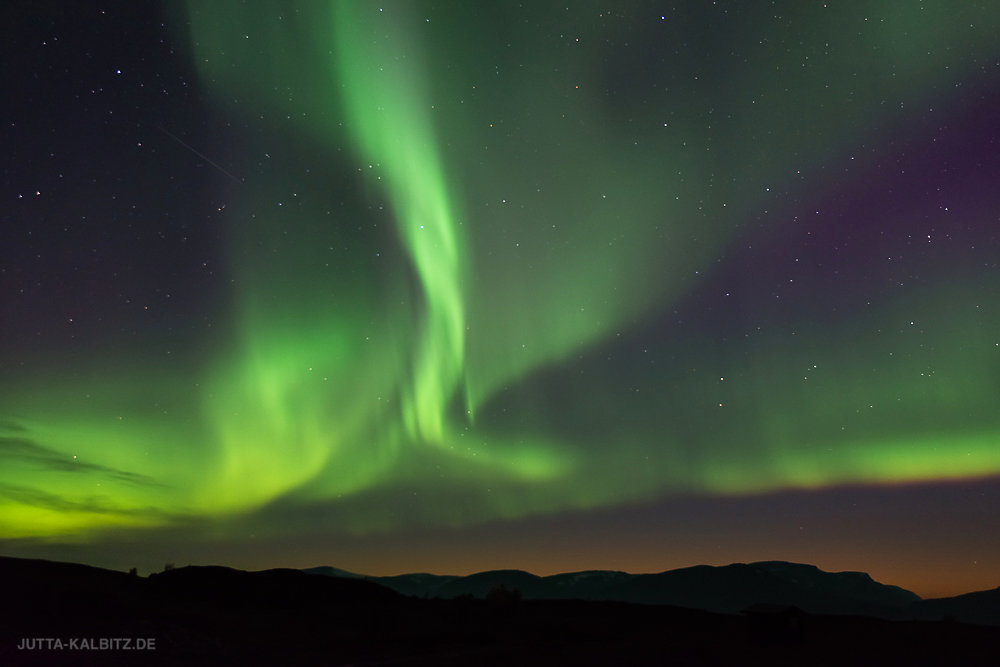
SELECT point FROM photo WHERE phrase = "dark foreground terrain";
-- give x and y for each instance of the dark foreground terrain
(218, 616)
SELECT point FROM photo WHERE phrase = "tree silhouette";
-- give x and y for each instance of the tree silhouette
(502, 595)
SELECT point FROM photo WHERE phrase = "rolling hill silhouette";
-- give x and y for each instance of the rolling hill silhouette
(219, 615)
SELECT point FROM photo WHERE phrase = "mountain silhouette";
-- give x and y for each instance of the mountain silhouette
(724, 589)
(414, 585)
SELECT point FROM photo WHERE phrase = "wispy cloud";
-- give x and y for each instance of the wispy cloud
(22, 449)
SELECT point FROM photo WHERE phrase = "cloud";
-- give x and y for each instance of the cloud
(21, 449)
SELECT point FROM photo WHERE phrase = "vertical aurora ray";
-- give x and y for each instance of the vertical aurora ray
(380, 77)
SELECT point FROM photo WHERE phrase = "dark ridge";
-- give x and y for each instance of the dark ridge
(417, 584)
(278, 588)
(480, 584)
(981, 607)
(218, 615)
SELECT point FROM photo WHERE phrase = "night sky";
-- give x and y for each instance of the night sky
(453, 286)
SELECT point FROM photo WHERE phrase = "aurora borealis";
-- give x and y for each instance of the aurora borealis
(363, 284)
